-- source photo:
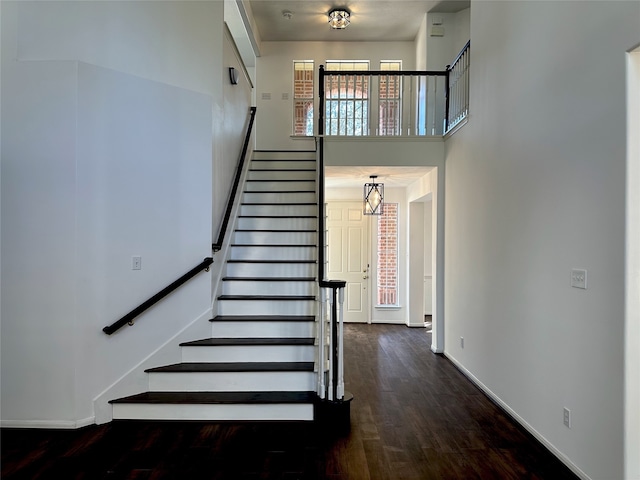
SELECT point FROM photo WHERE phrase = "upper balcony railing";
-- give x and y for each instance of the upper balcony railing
(394, 102)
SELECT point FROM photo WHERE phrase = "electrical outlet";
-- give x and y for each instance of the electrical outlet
(461, 342)
(579, 278)
(567, 417)
(136, 262)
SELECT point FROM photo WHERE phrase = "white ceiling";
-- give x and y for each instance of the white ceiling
(371, 20)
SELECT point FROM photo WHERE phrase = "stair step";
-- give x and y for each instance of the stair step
(177, 398)
(215, 342)
(279, 197)
(242, 325)
(263, 318)
(217, 406)
(271, 268)
(200, 367)
(269, 279)
(279, 298)
(277, 223)
(282, 209)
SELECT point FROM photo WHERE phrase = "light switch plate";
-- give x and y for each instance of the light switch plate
(579, 278)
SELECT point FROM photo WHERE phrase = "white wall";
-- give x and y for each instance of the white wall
(632, 292)
(275, 77)
(108, 117)
(441, 51)
(535, 186)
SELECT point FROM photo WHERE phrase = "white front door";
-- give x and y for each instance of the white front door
(348, 256)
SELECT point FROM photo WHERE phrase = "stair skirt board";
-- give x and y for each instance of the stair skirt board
(272, 329)
(214, 412)
(231, 381)
(240, 353)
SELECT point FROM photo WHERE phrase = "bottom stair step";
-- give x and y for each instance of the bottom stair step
(216, 406)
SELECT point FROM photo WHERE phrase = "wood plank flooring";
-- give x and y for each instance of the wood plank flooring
(414, 416)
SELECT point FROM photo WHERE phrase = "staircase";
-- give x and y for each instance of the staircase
(259, 362)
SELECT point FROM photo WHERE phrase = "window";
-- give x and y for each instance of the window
(347, 99)
(387, 278)
(389, 101)
(303, 97)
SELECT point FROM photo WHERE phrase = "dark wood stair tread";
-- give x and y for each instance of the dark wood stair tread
(267, 297)
(269, 279)
(178, 398)
(283, 169)
(278, 216)
(279, 203)
(269, 261)
(206, 367)
(224, 342)
(271, 230)
(263, 318)
(279, 191)
(273, 245)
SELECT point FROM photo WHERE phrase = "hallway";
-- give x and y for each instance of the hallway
(414, 416)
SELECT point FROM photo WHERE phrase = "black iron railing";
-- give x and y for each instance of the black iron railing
(129, 317)
(236, 182)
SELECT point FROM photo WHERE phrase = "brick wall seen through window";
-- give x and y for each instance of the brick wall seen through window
(303, 97)
(387, 277)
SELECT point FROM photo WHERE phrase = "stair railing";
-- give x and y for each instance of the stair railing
(458, 88)
(330, 328)
(129, 317)
(394, 102)
(236, 182)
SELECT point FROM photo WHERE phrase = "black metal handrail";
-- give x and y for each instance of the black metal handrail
(128, 318)
(321, 239)
(236, 182)
(457, 89)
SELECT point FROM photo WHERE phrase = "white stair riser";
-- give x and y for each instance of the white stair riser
(271, 270)
(266, 307)
(249, 287)
(288, 210)
(280, 186)
(213, 412)
(262, 173)
(275, 238)
(257, 223)
(250, 353)
(273, 253)
(276, 197)
(282, 164)
(231, 381)
(284, 155)
(262, 329)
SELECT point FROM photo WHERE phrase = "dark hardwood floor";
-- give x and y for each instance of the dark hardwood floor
(414, 416)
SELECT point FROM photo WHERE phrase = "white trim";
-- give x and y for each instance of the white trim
(49, 424)
(562, 457)
(458, 126)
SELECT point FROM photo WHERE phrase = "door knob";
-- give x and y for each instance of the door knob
(365, 276)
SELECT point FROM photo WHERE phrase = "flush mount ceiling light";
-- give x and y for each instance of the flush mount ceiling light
(339, 19)
(373, 197)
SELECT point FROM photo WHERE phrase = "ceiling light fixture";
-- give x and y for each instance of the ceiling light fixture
(339, 19)
(373, 197)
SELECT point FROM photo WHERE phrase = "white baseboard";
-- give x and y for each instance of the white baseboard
(561, 456)
(48, 424)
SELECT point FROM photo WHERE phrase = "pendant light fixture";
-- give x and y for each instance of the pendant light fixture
(339, 19)
(373, 197)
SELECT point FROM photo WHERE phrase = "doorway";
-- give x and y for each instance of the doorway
(348, 256)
